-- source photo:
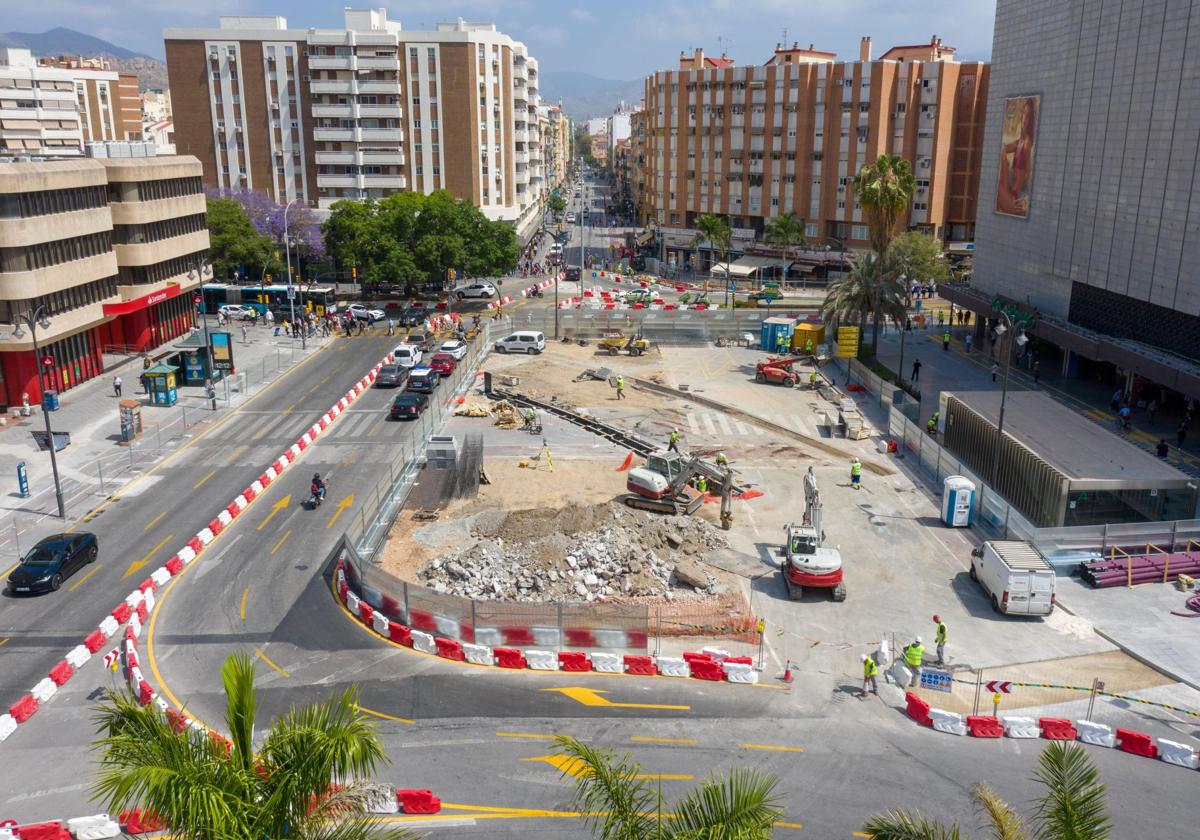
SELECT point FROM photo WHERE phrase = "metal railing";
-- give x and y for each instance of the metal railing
(665, 326)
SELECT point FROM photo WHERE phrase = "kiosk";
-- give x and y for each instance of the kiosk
(161, 384)
(131, 420)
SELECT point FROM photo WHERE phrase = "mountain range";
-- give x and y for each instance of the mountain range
(584, 96)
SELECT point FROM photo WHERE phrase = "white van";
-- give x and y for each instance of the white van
(1016, 576)
(522, 341)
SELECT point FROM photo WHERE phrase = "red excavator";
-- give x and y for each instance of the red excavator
(807, 562)
(778, 369)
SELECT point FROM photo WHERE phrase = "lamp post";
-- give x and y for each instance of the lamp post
(287, 248)
(34, 319)
(1004, 329)
(199, 269)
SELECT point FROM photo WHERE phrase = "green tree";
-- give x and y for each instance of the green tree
(205, 789)
(883, 188)
(868, 285)
(556, 204)
(918, 256)
(719, 235)
(620, 804)
(234, 243)
(1073, 806)
(785, 230)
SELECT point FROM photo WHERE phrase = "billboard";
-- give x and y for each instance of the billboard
(1017, 136)
(221, 349)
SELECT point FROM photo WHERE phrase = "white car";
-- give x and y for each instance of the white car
(477, 290)
(570, 218)
(407, 356)
(363, 313)
(457, 349)
(522, 341)
(238, 312)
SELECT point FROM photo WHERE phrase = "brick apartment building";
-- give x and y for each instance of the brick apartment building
(110, 247)
(750, 142)
(323, 115)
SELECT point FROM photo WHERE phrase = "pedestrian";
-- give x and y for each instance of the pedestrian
(673, 445)
(1181, 433)
(145, 380)
(1115, 402)
(1151, 410)
(995, 370)
(620, 387)
(245, 339)
(940, 639)
(870, 670)
(1037, 372)
(1126, 420)
(916, 371)
(968, 341)
(913, 656)
(117, 386)
(1161, 450)
(210, 393)
(856, 473)
(287, 328)
(270, 318)
(391, 326)
(941, 317)
(945, 339)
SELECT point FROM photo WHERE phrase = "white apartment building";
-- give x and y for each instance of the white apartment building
(38, 113)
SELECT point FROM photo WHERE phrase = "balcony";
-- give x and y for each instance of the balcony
(395, 158)
(380, 111)
(334, 86)
(340, 111)
(330, 181)
(334, 135)
(387, 182)
(376, 62)
(335, 158)
(393, 135)
(378, 86)
(330, 62)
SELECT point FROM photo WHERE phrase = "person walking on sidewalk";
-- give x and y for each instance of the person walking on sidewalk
(913, 655)
(117, 386)
(940, 639)
(856, 473)
(916, 371)
(967, 342)
(620, 387)
(1151, 410)
(946, 340)
(870, 672)
(1181, 433)
(995, 370)
(673, 441)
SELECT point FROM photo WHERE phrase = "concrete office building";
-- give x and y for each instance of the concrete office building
(371, 109)
(110, 248)
(1088, 225)
(753, 141)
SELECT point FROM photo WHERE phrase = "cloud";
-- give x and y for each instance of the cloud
(537, 33)
(582, 15)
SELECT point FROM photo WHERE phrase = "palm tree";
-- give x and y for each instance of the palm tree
(785, 230)
(304, 782)
(619, 803)
(869, 287)
(1074, 806)
(719, 235)
(883, 189)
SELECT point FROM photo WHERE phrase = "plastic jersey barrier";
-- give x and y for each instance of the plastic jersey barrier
(1057, 729)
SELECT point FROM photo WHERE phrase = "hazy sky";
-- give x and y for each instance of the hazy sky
(616, 39)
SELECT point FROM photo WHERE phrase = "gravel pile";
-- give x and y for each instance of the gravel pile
(594, 553)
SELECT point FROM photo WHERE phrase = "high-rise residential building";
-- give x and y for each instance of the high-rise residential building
(108, 247)
(1088, 226)
(556, 145)
(753, 141)
(323, 115)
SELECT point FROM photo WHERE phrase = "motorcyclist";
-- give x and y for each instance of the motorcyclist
(318, 488)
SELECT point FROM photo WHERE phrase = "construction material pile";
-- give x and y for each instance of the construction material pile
(474, 406)
(578, 553)
(1141, 568)
(507, 415)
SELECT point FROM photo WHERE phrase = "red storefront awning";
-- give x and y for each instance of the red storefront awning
(144, 302)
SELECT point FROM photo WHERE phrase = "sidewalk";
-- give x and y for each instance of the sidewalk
(95, 464)
(957, 370)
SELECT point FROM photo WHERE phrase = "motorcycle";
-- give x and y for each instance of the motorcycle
(315, 499)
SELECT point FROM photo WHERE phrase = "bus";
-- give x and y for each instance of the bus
(316, 299)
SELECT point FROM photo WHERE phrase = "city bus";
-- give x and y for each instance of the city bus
(316, 299)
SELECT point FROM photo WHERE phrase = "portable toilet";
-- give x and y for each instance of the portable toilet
(772, 329)
(958, 501)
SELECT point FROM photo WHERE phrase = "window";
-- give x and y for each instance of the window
(859, 232)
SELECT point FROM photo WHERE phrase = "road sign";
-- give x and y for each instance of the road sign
(110, 659)
(847, 342)
(23, 478)
(999, 686)
(291, 292)
(935, 680)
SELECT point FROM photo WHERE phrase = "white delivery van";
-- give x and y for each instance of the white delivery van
(522, 341)
(1015, 575)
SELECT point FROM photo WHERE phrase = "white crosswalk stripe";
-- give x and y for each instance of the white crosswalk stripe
(708, 423)
(723, 422)
(745, 429)
(693, 424)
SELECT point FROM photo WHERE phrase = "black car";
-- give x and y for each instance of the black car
(572, 275)
(391, 376)
(408, 406)
(51, 561)
(411, 317)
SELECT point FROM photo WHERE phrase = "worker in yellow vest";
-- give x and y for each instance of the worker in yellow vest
(812, 379)
(913, 654)
(870, 670)
(808, 347)
(702, 485)
(856, 473)
(940, 638)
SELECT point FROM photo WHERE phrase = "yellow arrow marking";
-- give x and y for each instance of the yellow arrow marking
(145, 561)
(242, 608)
(342, 505)
(591, 697)
(280, 505)
(576, 768)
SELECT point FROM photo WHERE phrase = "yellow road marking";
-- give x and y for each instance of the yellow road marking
(288, 410)
(155, 521)
(261, 433)
(342, 505)
(145, 561)
(526, 735)
(576, 768)
(282, 540)
(196, 486)
(376, 428)
(591, 697)
(642, 739)
(236, 453)
(83, 579)
(267, 659)
(383, 715)
(479, 812)
(4, 641)
(770, 747)
(9, 571)
(278, 506)
(242, 608)
(351, 458)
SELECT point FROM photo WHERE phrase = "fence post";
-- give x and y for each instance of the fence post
(561, 629)
(1174, 530)
(1091, 699)
(978, 690)
(1104, 541)
(183, 409)
(100, 472)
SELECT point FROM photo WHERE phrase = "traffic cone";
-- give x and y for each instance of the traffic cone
(787, 672)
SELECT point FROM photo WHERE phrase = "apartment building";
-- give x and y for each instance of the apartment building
(556, 144)
(108, 99)
(364, 111)
(108, 248)
(788, 135)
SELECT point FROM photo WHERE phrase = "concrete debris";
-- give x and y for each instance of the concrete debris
(591, 553)
(507, 415)
(474, 406)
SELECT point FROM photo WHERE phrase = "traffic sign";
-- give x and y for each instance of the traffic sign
(935, 680)
(110, 659)
(999, 686)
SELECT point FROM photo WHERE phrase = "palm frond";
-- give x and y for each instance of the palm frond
(1074, 806)
(344, 815)
(1005, 824)
(741, 805)
(618, 805)
(237, 675)
(908, 825)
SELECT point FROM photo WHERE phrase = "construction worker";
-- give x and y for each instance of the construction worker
(946, 340)
(673, 445)
(620, 387)
(702, 485)
(529, 418)
(940, 638)
(913, 655)
(931, 427)
(856, 473)
(781, 343)
(812, 379)
(870, 671)
(808, 346)
(722, 461)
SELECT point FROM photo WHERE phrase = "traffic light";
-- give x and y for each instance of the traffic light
(451, 274)
(353, 272)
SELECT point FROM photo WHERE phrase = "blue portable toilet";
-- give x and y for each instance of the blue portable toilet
(958, 501)
(774, 327)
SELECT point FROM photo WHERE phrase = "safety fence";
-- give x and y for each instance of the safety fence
(665, 326)
(885, 395)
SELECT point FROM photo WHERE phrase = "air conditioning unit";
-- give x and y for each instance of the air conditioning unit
(306, 77)
(274, 105)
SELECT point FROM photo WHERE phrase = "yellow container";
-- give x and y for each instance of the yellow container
(806, 330)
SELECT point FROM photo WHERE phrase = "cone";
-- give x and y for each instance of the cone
(787, 672)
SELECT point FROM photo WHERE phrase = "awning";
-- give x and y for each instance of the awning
(749, 266)
(145, 301)
(961, 248)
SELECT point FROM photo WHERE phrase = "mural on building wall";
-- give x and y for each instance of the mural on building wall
(1015, 184)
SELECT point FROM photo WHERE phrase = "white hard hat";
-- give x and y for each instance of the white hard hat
(864, 657)
(918, 640)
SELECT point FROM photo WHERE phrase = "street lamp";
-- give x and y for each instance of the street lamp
(34, 319)
(1021, 339)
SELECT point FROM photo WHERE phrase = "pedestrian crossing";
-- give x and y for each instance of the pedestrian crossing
(719, 424)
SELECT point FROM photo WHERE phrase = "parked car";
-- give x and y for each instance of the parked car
(455, 348)
(423, 380)
(573, 274)
(570, 218)
(391, 376)
(51, 561)
(408, 406)
(422, 339)
(407, 356)
(443, 363)
(522, 341)
(238, 312)
(363, 313)
(476, 290)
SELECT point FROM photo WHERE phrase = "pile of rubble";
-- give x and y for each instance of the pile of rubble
(594, 553)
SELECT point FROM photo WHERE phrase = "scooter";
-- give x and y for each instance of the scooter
(315, 499)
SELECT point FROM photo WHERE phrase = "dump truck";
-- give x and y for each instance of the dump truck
(615, 342)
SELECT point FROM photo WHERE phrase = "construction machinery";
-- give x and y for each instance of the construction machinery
(615, 342)
(663, 485)
(778, 370)
(807, 562)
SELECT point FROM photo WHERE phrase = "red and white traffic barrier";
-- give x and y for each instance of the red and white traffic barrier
(496, 304)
